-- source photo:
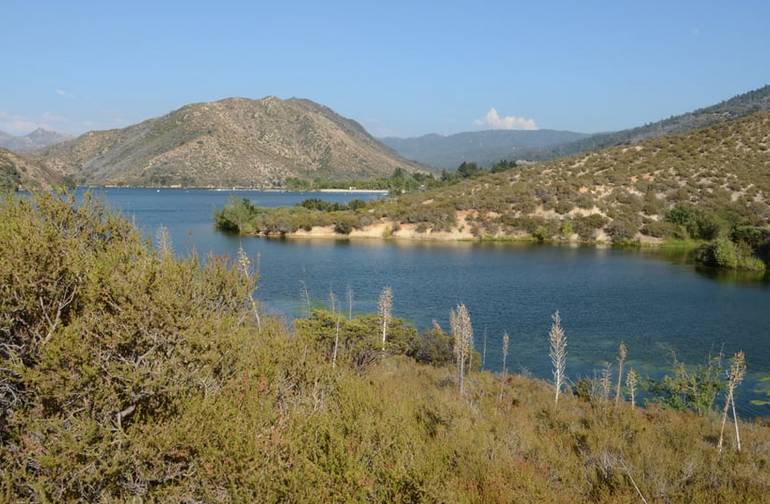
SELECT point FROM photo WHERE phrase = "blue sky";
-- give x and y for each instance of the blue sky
(400, 68)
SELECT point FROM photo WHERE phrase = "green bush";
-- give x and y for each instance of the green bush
(690, 388)
(100, 336)
(721, 253)
(343, 227)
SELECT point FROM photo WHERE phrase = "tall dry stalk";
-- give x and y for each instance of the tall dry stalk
(506, 341)
(462, 335)
(305, 295)
(734, 378)
(164, 241)
(385, 306)
(632, 381)
(606, 382)
(484, 351)
(558, 353)
(622, 354)
(333, 302)
(244, 266)
(350, 303)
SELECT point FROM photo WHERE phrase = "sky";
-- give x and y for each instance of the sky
(399, 68)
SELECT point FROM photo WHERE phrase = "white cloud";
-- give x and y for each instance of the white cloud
(492, 120)
(61, 92)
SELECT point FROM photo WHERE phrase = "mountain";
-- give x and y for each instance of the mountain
(16, 171)
(38, 139)
(235, 141)
(738, 106)
(483, 147)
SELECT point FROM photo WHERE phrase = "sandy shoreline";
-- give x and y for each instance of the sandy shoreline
(388, 230)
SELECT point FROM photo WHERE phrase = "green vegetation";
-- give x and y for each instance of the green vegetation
(710, 186)
(691, 388)
(9, 179)
(401, 181)
(128, 374)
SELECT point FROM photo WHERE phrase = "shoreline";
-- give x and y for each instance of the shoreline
(236, 188)
(406, 232)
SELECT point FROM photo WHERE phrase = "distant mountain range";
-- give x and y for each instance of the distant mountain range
(231, 142)
(487, 147)
(38, 139)
(483, 147)
(244, 142)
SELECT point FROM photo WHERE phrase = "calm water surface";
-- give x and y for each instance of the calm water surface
(659, 307)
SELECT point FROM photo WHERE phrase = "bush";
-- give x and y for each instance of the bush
(658, 229)
(586, 226)
(721, 253)
(101, 336)
(343, 227)
(622, 230)
(690, 388)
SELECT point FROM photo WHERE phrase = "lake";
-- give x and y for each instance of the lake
(659, 306)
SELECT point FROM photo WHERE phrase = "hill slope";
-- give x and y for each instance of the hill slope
(235, 141)
(483, 147)
(16, 171)
(703, 184)
(38, 139)
(738, 106)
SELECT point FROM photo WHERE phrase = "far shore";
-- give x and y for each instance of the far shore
(237, 188)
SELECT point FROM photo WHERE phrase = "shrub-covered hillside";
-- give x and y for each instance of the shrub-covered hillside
(705, 185)
(127, 374)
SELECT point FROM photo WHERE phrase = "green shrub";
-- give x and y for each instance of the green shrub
(690, 388)
(586, 226)
(721, 253)
(343, 227)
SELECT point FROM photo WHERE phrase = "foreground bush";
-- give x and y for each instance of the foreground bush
(129, 375)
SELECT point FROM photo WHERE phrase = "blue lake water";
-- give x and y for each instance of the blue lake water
(659, 306)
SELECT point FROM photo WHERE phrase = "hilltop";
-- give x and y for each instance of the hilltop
(231, 142)
(16, 171)
(702, 185)
(35, 140)
(482, 147)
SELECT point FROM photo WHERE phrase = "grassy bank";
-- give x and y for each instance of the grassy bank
(129, 374)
